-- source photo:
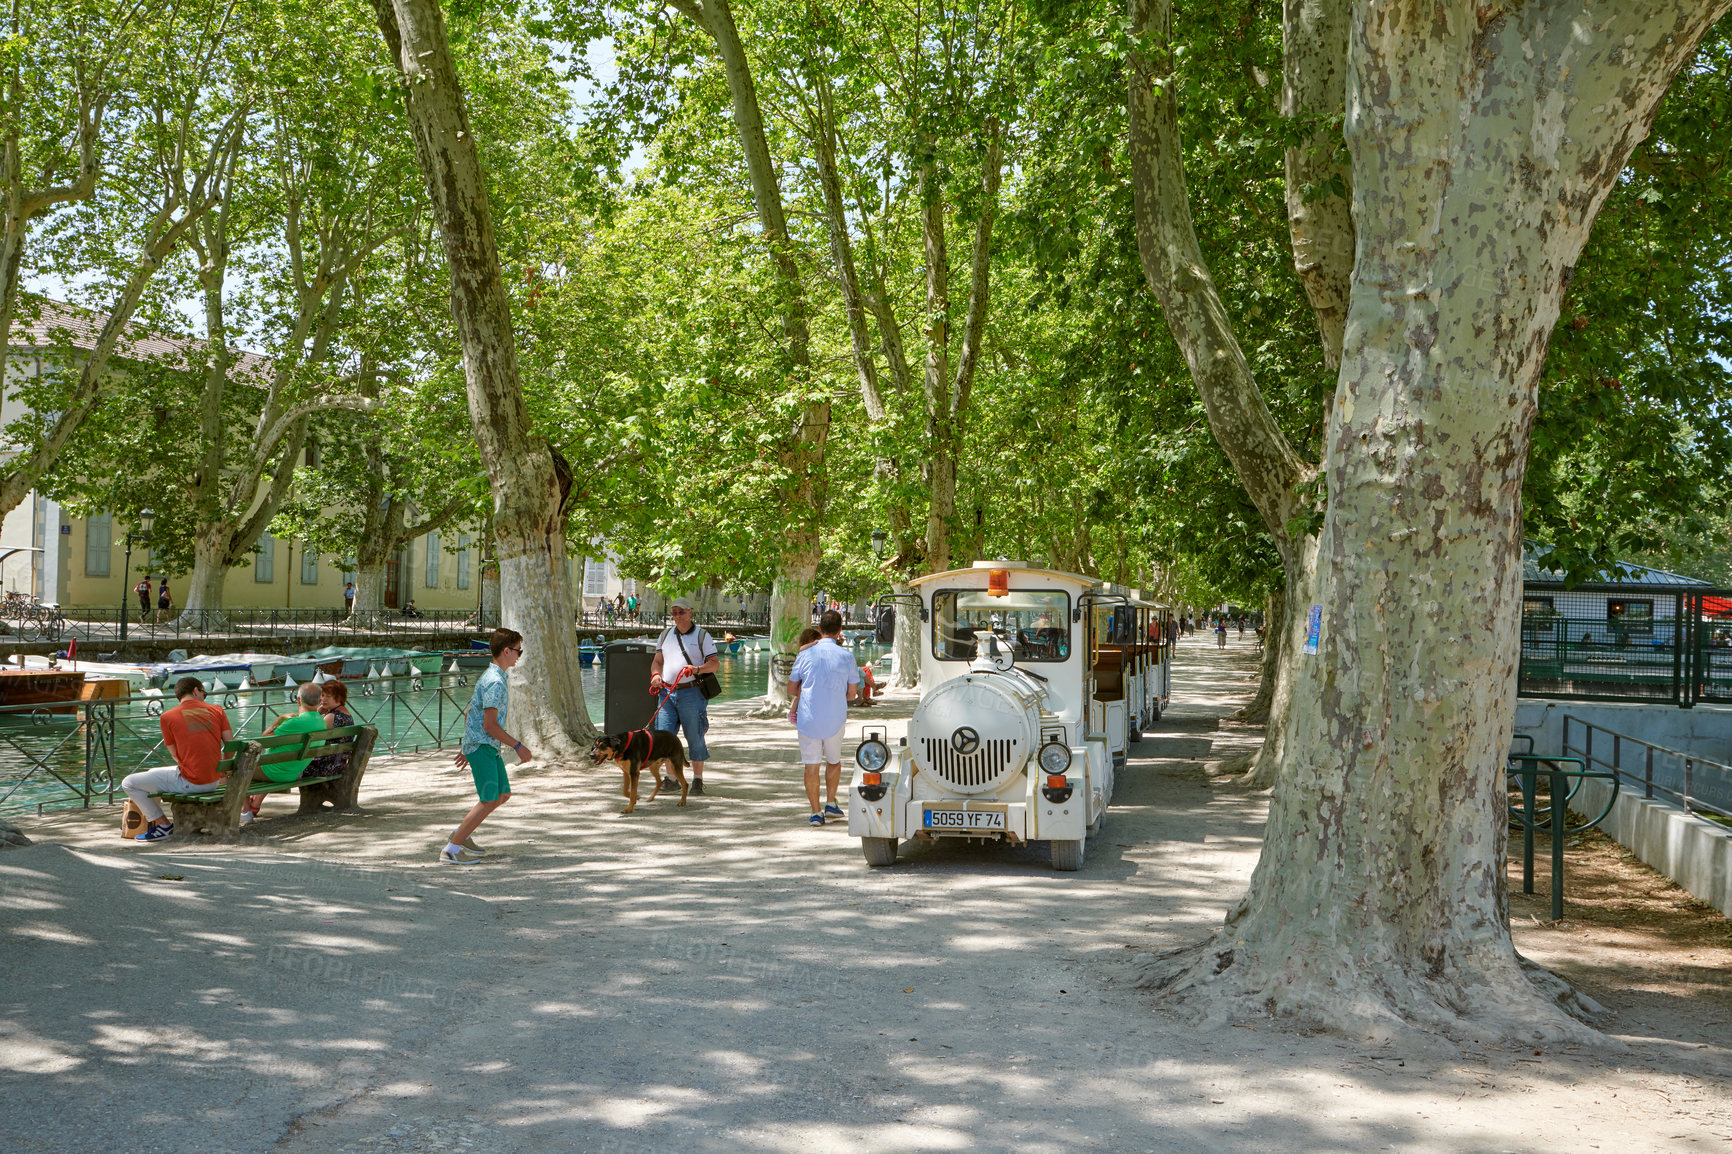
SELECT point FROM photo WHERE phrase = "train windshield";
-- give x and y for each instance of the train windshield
(1034, 623)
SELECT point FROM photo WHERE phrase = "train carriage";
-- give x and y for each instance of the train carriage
(1034, 684)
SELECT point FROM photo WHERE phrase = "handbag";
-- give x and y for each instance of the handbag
(707, 683)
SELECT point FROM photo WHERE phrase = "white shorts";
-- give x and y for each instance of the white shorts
(827, 750)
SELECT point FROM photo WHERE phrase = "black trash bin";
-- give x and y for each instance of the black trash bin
(628, 703)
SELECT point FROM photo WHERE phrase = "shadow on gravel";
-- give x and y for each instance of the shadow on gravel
(203, 992)
(721, 977)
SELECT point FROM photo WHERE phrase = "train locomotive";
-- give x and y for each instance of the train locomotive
(1034, 685)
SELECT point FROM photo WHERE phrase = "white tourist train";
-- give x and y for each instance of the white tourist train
(1034, 683)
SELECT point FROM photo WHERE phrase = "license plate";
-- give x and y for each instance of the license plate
(937, 818)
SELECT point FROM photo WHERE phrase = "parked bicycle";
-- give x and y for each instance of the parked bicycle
(30, 619)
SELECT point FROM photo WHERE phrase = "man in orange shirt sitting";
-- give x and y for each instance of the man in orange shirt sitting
(194, 732)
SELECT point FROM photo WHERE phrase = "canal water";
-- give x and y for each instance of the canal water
(50, 760)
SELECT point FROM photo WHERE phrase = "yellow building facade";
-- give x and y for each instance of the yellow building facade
(437, 571)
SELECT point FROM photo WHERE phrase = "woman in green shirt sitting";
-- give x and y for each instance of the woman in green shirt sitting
(307, 720)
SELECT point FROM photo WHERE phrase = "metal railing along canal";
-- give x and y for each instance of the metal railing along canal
(1696, 783)
(76, 752)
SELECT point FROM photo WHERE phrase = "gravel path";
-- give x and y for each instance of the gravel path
(721, 978)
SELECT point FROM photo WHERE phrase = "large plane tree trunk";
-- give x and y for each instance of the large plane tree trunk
(548, 709)
(203, 608)
(369, 607)
(1256, 711)
(1292, 620)
(1484, 141)
(802, 451)
(907, 639)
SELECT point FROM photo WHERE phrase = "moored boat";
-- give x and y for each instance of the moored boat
(23, 691)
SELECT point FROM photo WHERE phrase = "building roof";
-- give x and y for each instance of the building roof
(1534, 553)
(58, 325)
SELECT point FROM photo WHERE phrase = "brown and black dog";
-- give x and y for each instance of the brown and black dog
(642, 749)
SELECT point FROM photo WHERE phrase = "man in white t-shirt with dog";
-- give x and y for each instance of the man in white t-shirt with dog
(822, 683)
(684, 651)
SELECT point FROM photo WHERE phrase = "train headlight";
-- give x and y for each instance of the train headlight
(873, 755)
(1054, 758)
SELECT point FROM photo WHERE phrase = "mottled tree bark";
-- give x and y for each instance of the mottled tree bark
(230, 510)
(1256, 711)
(1319, 181)
(802, 451)
(947, 394)
(1484, 141)
(206, 183)
(859, 305)
(1275, 477)
(548, 709)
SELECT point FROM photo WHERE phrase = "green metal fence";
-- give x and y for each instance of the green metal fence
(1661, 644)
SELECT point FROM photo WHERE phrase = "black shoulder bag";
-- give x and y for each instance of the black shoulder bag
(707, 683)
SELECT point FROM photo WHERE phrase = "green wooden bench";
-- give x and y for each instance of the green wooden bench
(219, 810)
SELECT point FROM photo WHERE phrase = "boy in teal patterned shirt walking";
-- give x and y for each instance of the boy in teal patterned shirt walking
(484, 737)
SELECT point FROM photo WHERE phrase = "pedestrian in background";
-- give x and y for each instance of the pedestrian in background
(143, 591)
(822, 683)
(164, 601)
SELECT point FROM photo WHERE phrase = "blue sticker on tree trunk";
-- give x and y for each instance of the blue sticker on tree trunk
(1313, 628)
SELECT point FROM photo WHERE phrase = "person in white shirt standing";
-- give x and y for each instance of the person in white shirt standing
(684, 651)
(822, 683)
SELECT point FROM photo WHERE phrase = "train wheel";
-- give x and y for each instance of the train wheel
(879, 851)
(1067, 856)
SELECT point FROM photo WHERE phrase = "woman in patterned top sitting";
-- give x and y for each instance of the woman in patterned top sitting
(333, 703)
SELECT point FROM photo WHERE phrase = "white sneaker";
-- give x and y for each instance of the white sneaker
(247, 816)
(460, 857)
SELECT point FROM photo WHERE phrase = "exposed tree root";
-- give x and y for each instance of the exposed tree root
(1254, 713)
(1234, 766)
(1220, 979)
(1264, 767)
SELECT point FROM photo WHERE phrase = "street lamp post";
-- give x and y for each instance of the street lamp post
(145, 517)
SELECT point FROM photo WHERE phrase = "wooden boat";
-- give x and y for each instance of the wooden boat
(21, 689)
(106, 689)
(135, 676)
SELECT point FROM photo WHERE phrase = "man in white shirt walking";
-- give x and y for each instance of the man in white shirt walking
(822, 683)
(684, 651)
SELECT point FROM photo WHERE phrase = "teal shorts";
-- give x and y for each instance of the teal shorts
(488, 770)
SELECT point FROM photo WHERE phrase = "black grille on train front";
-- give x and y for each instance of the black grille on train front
(973, 770)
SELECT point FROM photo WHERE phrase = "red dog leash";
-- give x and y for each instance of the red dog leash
(631, 734)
